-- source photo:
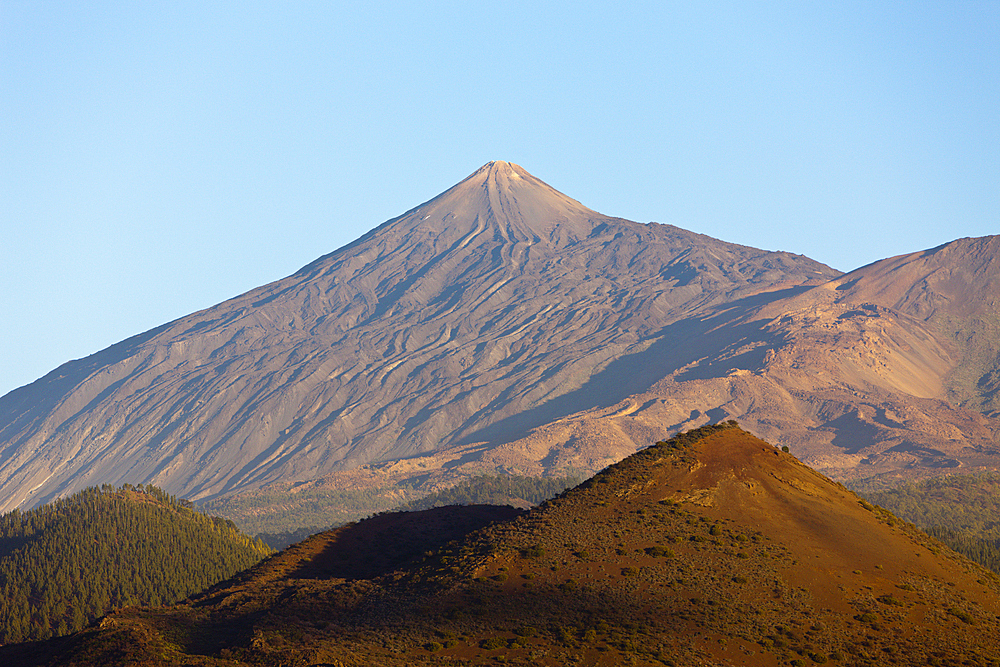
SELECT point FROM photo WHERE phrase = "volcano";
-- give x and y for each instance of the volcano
(495, 308)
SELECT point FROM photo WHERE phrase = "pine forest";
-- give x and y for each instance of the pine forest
(67, 563)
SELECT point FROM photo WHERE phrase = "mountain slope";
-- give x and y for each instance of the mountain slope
(884, 373)
(876, 365)
(496, 307)
(954, 289)
(710, 548)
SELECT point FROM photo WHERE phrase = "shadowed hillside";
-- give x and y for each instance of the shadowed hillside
(710, 548)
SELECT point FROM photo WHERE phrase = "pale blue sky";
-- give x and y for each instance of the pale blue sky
(159, 157)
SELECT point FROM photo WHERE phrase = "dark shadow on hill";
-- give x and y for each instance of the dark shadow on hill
(852, 434)
(385, 542)
(43, 652)
(706, 341)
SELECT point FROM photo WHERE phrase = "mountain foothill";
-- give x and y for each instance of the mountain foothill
(710, 548)
(505, 328)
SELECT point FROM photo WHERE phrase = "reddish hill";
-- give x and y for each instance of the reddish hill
(711, 548)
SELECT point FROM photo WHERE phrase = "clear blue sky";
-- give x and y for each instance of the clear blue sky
(159, 157)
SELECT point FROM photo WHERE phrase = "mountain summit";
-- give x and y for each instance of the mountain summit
(496, 307)
(505, 201)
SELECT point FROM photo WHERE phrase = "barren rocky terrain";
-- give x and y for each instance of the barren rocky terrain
(504, 327)
(883, 374)
(494, 308)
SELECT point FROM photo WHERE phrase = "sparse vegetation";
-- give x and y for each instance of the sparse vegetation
(961, 615)
(283, 511)
(281, 516)
(604, 574)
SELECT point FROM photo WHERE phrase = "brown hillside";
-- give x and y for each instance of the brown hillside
(711, 548)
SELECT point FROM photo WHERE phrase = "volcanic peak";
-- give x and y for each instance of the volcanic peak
(516, 205)
(494, 308)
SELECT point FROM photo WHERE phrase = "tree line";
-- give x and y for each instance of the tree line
(963, 511)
